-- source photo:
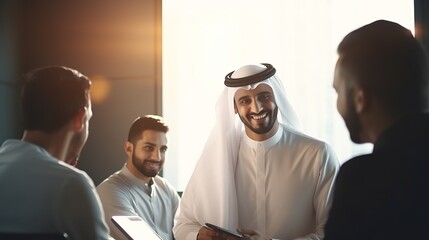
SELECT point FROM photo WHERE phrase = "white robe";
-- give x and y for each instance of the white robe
(211, 193)
(283, 190)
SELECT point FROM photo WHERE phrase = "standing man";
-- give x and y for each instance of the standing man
(40, 193)
(137, 189)
(381, 78)
(257, 172)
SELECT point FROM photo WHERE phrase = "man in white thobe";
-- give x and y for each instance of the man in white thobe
(258, 174)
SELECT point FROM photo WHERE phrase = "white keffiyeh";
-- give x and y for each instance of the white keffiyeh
(210, 195)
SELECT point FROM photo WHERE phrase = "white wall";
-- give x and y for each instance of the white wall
(204, 40)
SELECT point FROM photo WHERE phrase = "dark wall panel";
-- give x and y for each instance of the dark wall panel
(115, 43)
(9, 86)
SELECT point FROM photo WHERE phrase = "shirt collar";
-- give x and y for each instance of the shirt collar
(14, 144)
(135, 179)
(266, 144)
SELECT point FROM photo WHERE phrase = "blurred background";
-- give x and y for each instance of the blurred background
(115, 43)
(169, 57)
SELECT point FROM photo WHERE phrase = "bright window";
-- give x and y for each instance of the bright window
(204, 40)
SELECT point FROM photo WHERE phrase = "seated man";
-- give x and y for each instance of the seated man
(39, 192)
(137, 189)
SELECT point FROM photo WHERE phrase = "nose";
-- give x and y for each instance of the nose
(157, 155)
(256, 106)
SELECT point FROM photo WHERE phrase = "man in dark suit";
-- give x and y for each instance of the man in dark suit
(381, 78)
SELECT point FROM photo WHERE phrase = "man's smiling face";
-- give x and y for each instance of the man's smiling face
(257, 108)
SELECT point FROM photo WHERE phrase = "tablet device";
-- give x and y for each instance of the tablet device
(135, 228)
(224, 230)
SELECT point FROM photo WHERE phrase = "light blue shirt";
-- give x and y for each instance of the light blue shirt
(41, 194)
(124, 194)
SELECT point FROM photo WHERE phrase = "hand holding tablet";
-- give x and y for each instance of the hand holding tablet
(223, 230)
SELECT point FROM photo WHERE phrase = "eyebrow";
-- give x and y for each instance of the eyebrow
(149, 143)
(243, 97)
(154, 145)
(265, 92)
(261, 93)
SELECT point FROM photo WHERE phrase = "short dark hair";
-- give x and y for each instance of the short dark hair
(147, 122)
(51, 96)
(388, 61)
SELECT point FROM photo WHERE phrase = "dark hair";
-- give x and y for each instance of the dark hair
(386, 60)
(51, 96)
(148, 122)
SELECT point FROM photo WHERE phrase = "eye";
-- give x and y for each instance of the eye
(264, 97)
(244, 101)
(163, 149)
(148, 148)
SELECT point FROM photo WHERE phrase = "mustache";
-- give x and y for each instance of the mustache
(255, 114)
(152, 161)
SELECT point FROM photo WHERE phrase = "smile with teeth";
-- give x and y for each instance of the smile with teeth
(260, 116)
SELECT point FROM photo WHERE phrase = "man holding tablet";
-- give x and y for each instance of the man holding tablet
(258, 174)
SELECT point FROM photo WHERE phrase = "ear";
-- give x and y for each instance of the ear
(361, 100)
(78, 120)
(128, 147)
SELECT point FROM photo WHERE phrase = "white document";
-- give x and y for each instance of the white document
(135, 228)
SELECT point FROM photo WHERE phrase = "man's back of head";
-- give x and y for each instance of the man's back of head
(51, 96)
(56, 109)
(387, 61)
(381, 78)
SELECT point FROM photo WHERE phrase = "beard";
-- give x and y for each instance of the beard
(76, 145)
(352, 122)
(263, 127)
(141, 165)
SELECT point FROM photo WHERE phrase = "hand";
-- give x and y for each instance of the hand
(206, 233)
(250, 234)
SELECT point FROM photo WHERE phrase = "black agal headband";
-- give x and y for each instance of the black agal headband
(249, 80)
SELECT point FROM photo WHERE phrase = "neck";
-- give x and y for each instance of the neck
(376, 126)
(55, 143)
(134, 171)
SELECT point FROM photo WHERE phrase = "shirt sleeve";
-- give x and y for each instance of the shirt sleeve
(115, 202)
(186, 227)
(80, 214)
(340, 225)
(324, 191)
